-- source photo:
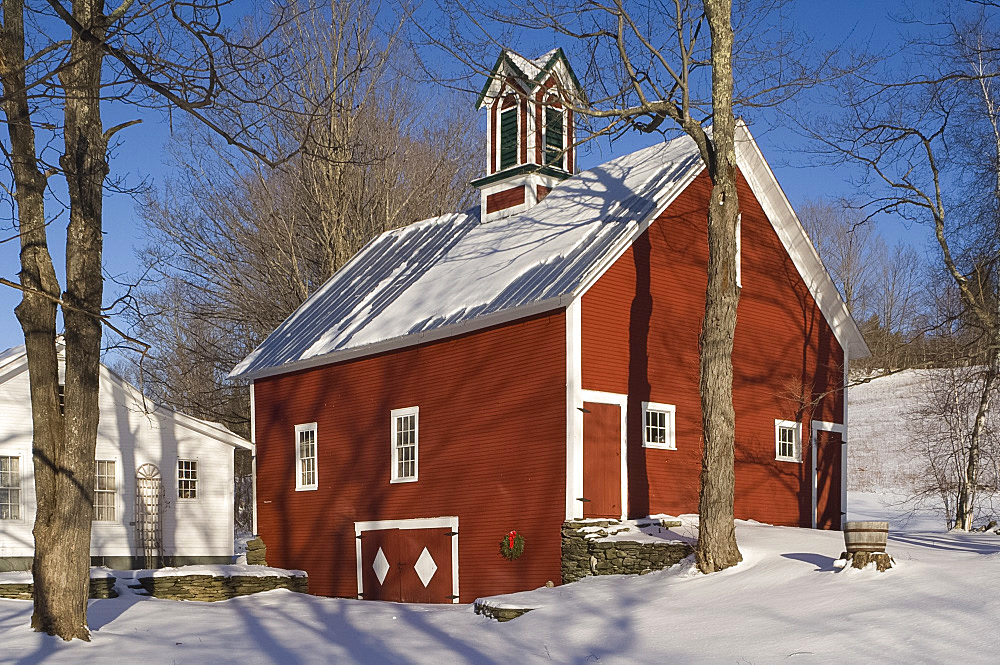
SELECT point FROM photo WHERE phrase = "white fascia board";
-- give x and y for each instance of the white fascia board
(797, 243)
(444, 332)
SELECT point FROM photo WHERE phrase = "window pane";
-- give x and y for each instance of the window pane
(187, 479)
(105, 486)
(405, 451)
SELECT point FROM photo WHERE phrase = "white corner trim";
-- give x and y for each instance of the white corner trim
(844, 439)
(450, 522)
(574, 416)
(621, 401)
(253, 459)
(671, 411)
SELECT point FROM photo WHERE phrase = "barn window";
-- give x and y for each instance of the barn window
(554, 137)
(508, 138)
(10, 487)
(187, 479)
(658, 425)
(788, 440)
(404, 444)
(105, 491)
(305, 457)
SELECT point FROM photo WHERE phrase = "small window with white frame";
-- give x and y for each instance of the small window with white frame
(10, 487)
(305, 457)
(105, 491)
(788, 440)
(658, 425)
(405, 425)
(187, 479)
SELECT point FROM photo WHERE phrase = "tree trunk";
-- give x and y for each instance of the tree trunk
(60, 587)
(965, 501)
(64, 464)
(717, 547)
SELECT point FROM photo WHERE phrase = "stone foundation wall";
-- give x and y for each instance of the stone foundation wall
(210, 588)
(102, 587)
(583, 554)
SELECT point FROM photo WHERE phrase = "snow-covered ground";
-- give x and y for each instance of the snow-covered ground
(787, 602)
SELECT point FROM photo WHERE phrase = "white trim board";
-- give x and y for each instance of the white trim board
(450, 522)
(621, 401)
(574, 416)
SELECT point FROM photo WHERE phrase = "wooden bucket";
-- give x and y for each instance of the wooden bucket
(866, 536)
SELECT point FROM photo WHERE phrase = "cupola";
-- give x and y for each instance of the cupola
(529, 131)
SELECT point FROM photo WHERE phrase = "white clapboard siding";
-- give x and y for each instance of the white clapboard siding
(132, 432)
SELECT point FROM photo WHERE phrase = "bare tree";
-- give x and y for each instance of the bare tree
(848, 247)
(237, 246)
(931, 147)
(58, 66)
(940, 429)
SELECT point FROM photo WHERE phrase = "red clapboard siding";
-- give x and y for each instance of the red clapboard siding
(640, 326)
(507, 198)
(491, 451)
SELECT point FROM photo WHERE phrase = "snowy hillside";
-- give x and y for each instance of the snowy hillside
(879, 455)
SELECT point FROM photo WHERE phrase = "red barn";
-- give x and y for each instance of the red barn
(535, 360)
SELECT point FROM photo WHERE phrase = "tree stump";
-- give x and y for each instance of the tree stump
(859, 560)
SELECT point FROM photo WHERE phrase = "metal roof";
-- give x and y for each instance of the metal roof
(452, 269)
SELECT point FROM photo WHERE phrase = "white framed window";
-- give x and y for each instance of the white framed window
(10, 487)
(658, 425)
(305, 457)
(187, 479)
(405, 424)
(788, 440)
(105, 490)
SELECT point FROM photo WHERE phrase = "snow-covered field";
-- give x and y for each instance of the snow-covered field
(787, 602)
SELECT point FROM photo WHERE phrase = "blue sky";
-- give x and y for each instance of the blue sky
(140, 157)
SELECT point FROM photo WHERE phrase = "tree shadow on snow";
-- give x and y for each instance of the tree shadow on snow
(824, 564)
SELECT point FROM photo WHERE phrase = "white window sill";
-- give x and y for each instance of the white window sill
(308, 488)
(395, 481)
(788, 459)
(659, 446)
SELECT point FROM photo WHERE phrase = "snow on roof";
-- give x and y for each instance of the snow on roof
(452, 270)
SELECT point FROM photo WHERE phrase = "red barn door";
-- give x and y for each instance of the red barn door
(407, 565)
(602, 460)
(829, 480)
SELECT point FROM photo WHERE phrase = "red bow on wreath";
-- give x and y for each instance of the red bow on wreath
(510, 539)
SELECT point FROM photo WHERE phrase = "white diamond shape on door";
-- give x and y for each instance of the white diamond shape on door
(425, 567)
(381, 566)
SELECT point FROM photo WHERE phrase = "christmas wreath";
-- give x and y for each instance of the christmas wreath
(512, 545)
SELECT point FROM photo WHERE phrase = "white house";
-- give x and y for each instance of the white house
(164, 485)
